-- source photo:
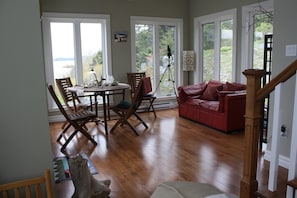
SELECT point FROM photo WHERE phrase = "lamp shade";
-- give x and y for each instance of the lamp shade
(188, 60)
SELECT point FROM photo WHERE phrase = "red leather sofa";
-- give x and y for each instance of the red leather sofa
(215, 104)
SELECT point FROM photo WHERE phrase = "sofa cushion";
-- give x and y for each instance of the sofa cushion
(233, 87)
(195, 101)
(211, 91)
(211, 105)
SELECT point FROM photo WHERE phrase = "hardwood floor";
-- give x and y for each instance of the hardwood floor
(172, 148)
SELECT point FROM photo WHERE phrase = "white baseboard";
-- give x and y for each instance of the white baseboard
(158, 106)
(57, 118)
(283, 161)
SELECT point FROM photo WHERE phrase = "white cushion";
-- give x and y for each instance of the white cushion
(184, 189)
(222, 195)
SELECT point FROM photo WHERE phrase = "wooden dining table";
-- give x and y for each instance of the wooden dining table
(103, 91)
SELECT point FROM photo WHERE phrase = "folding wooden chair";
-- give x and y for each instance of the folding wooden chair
(29, 187)
(76, 119)
(126, 109)
(71, 99)
(149, 98)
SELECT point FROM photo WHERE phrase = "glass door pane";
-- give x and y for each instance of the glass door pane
(62, 40)
(144, 49)
(263, 25)
(167, 60)
(91, 49)
(63, 54)
(151, 40)
(226, 51)
(208, 51)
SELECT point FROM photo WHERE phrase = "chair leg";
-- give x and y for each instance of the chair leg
(68, 140)
(153, 109)
(123, 121)
(84, 132)
(139, 118)
(116, 124)
(78, 128)
(63, 132)
(150, 107)
(133, 129)
(64, 124)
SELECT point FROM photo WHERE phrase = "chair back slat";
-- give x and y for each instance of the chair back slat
(134, 80)
(17, 193)
(63, 84)
(25, 186)
(38, 191)
(5, 194)
(138, 95)
(68, 97)
(28, 191)
(57, 101)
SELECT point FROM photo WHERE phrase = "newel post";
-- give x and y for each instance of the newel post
(249, 183)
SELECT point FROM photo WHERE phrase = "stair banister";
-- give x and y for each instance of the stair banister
(281, 77)
(254, 97)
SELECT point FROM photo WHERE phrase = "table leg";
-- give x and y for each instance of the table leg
(96, 105)
(104, 114)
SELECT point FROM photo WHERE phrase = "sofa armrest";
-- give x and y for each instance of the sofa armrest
(230, 100)
(235, 103)
(182, 96)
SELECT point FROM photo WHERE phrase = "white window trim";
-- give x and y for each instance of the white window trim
(179, 44)
(51, 16)
(247, 36)
(198, 21)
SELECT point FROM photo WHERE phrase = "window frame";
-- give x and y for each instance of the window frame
(247, 38)
(178, 23)
(75, 18)
(216, 17)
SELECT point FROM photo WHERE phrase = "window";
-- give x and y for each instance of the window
(76, 46)
(156, 45)
(215, 42)
(257, 20)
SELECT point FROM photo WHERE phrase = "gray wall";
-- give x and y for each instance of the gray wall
(285, 31)
(24, 134)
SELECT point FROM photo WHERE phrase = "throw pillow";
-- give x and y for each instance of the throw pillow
(211, 92)
(194, 90)
(233, 87)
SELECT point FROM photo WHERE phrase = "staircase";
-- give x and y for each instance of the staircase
(254, 98)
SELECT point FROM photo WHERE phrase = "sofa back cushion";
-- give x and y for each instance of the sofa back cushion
(211, 91)
(194, 90)
(233, 87)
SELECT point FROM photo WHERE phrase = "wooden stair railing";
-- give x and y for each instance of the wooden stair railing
(255, 94)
